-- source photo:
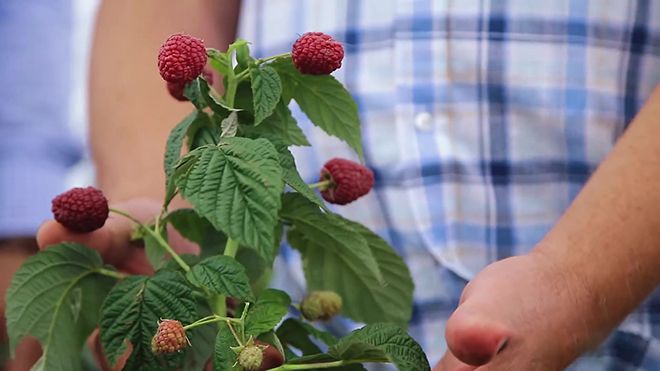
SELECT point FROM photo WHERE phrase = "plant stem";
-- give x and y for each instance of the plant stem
(156, 235)
(233, 332)
(273, 57)
(231, 247)
(210, 319)
(113, 274)
(310, 366)
(322, 185)
(232, 84)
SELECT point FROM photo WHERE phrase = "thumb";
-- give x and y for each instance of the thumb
(472, 337)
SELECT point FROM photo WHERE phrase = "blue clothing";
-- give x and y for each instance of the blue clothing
(482, 120)
(37, 147)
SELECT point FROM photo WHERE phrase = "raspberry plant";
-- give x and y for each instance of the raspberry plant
(246, 194)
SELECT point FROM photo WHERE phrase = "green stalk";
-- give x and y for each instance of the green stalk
(156, 235)
(210, 319)
(311, 366)
(322, 185)
(111, 273)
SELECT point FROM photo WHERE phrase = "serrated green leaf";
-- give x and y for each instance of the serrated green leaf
(202, 340)
(236, 185)
(267, 312)
(297, 333)
(279, 128)
(325, 101)
(131, 313)
(203, 131)
(243, 58)
(199, 230)
(258, 272)
(382, 342)
(173, 150)
(193, 92)
(315, 228)
(225, 357)
(330, 263)
(212, 100)
(56, 297)
(229, 125)
(222, 275)
(292, 177)
(266, 91)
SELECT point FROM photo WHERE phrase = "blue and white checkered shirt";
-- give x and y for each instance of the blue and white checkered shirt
(481, 120)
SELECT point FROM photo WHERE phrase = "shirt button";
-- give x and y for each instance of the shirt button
(424, 121)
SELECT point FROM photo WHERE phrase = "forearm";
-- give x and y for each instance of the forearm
(131, 111)
(609, 239)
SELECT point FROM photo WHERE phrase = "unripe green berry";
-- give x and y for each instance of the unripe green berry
(321, 305)
(250, 357)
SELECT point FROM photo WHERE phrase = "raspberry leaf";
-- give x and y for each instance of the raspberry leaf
(236, 185)
(203, 132)
(292, 177)
(197, 229)
(225, 357)
(173, 148)
(382, 342)
(325, 101)
(243, 58)
(266, 91)
(193, 92)
(316, 230)
(280, 127)
(267, 312)
(56, 297)
(222, 275)
(220, 61)
(343, 256)
(299, 334)
(229, 125)
(131, 313)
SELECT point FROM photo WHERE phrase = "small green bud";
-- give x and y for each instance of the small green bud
(250, 357)
(321, 305)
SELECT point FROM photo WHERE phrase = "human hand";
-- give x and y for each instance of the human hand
(520, 313)
(113, 240)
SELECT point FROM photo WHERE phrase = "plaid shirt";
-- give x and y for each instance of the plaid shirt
(482, 120)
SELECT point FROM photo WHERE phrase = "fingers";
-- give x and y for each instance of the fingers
(450, 363)
(112, 240)
(473, 338)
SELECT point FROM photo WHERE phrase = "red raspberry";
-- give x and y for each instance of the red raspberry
(181, 58)
(348, 181)
(81, 209)
(176, 88)
(316, 53)
(170, 337)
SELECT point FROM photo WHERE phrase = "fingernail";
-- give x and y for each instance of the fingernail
(503, 345)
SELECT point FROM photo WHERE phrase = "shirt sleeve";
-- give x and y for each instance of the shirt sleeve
(37, 146)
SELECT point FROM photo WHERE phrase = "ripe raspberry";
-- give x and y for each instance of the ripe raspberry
(316, 53)
(321, 305)
(348, 181)
(176, 88)
(181, 58)
(170, 337)
(81, 209)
